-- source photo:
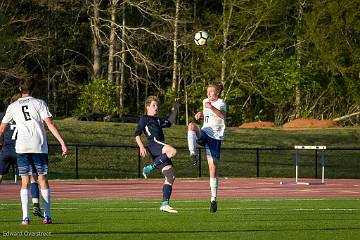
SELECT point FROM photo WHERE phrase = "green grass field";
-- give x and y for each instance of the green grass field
(236, 219)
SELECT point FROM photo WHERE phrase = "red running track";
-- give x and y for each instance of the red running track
(193, 189)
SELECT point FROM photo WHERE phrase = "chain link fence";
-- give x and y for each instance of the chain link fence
(121, 162)
(108, 162)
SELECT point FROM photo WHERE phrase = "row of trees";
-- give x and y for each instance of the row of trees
(277, 59)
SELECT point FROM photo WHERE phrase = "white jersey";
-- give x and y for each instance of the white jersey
(29, 113)
(214, 126)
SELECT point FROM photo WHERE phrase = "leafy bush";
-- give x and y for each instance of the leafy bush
(97, 96)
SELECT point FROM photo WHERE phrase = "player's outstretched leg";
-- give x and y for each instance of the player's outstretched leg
(161, 159)
(147, 170)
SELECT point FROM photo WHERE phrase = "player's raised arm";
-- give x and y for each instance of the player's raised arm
(219, 113)
(175, 110)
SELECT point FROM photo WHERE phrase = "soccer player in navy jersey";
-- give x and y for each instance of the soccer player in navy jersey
(31, 147)
(161, 153)
(7, 146)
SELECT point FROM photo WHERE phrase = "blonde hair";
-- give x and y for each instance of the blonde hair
(218, 87)
(148, 101)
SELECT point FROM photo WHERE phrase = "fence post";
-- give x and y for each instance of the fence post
(76, 162)
(257, 163)
(316, 160)
(199, 163)
(139, 163)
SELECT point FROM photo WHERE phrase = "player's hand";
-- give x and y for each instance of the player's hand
(208, 105)
(64, 151)
(143, 152)
(198, 115)
(176, 104)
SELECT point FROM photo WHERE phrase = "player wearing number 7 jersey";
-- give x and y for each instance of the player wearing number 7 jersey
(31, 147)
(210, 135)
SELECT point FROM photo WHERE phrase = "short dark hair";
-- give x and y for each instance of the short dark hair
(26, 85)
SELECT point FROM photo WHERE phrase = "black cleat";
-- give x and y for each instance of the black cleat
(213, 207)
(37, 211)
(193, 159)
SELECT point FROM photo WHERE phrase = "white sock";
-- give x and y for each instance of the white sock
(192, 142)
(214, 183)
(24, 196)
(45, 193)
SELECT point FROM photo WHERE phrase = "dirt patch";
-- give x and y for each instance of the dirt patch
(257, 125)
(310, 123)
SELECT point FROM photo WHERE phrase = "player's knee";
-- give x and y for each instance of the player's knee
(170, 179)
(172, 153)
(191, 126)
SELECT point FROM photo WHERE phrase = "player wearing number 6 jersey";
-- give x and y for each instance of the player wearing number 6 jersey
(31, 147)
(209, 136)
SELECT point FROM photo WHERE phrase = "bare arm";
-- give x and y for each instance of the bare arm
(175, 110)
(2, 130)
(50, 124)
(143, 151)
(218, 112)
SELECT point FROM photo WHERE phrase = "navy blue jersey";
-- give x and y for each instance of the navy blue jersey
(152, 126)
(9, 135)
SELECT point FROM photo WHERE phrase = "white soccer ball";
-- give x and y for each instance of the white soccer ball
(201, 38)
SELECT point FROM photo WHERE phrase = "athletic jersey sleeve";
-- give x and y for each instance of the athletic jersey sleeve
(140, 127)
(44, 110)
(8, 115)
(223, 106)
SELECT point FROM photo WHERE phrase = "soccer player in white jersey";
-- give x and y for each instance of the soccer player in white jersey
(8, 156)
(210, 136)
(31, 147)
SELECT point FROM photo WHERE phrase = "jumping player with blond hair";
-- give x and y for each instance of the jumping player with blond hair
(210, 136)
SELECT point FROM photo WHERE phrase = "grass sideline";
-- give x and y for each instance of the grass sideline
(236, 219)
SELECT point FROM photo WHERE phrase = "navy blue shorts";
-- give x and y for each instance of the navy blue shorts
(211, 145)
(6, 159)
(32, 163)
(155, 149)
